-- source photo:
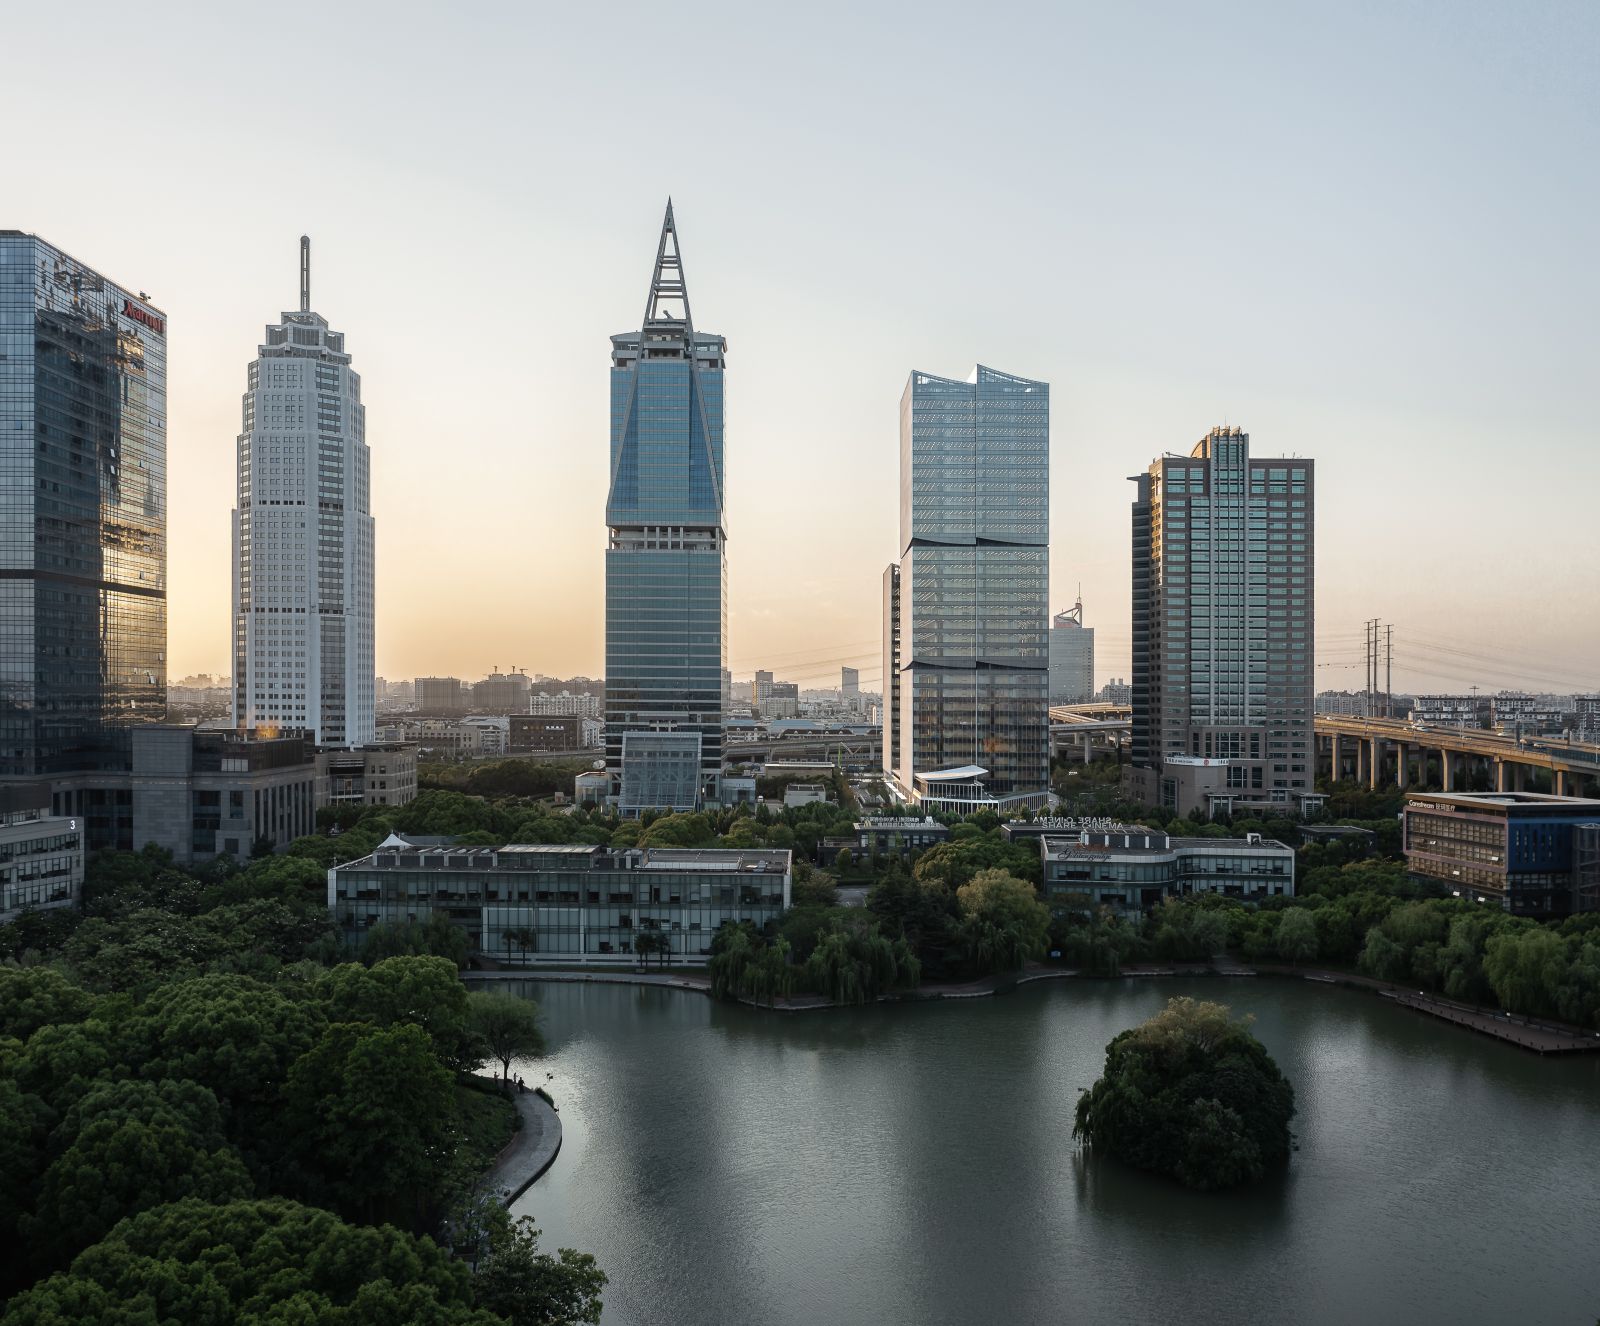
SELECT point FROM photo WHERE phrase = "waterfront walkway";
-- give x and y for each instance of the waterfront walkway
(531, 1150)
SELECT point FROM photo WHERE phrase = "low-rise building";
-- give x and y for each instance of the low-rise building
(1132, 869)
(894, 835)
(554, 732)
(803, 794)
(1204, 787)
(41, 855)
(198, 793)
(563, 903)
(1521, 851)
(382, 774)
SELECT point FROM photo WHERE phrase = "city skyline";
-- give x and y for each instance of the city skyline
(1387, 272)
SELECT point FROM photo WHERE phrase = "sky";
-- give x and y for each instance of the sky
(1365, 233)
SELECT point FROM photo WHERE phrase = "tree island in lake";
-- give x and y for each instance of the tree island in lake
(1192, 1094)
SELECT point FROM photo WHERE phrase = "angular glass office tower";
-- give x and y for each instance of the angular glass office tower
(666, 562)
(1224, 620)
(971, 597)
(303, 536)
(83, 512)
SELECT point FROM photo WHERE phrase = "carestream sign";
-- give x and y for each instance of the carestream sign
(144, 317)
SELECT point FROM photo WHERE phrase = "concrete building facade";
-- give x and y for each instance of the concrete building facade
(1224, 622)
(41, 855)
(1133, 869)
(303, 574)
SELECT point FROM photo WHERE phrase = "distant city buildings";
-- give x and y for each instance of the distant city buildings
(1116, 691)
(850, 681)
(303, 537)
(564, 702)
(83, 404)
(965, 614)
(1071, 657)
(666, 562)
(440, 695)
(1223, 630)
(501, 693)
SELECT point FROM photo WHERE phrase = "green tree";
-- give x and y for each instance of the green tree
(193, 1261)
(1192, 1094)
(33, 997)
(527, 1287)
(426, 991)
(1297, 935)
(508, 1027)
(124, 1148)
(370, 1115)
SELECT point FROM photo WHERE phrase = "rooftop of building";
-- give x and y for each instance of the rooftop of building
(1506, 802)
(1136, 838)
(395, 853)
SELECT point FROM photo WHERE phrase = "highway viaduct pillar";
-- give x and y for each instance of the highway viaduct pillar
(1334, 769)
(1502, 783)
(1447, 770)
(1402, 773)
(1558, 778)
(1375, 765)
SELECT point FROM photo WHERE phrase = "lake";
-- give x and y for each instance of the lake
(914, 1163)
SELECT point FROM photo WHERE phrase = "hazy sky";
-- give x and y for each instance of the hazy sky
(1364, 233)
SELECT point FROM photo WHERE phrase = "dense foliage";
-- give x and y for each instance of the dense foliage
(1191, 1094)
(201, 1119)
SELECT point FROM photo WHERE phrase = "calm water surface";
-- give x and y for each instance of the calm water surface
(914, 1164)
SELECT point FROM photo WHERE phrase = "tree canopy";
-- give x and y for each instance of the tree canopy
(1190, 1093)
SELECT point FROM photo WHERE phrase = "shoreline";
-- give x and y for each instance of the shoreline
(533, 1148)
(1540, 1037)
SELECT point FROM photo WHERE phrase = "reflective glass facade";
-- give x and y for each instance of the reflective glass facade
(83, 530)
(1224, 616)
(974, 581)
(564, 903)
(666, 563)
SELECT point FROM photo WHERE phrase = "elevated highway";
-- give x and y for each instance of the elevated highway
(1384, 752)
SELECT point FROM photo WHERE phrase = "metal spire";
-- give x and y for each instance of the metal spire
(305, 273)
(667, 285)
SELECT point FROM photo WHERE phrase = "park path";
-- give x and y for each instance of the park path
(531, 1150)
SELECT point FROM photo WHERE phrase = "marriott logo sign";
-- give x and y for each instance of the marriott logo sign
(144, 317)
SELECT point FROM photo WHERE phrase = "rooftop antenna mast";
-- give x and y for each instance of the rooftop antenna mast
(305, 273)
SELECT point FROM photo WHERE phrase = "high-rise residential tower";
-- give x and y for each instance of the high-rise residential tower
(1223, 624)
(971, 593)
(83, 507)
(1071, 657)
(666, 561)
(302, 536)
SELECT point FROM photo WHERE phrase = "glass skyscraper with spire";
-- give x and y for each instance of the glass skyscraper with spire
(666, 560)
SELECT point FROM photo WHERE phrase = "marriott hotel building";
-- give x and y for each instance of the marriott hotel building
(83, 512)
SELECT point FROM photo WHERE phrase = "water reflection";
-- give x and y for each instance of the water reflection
(915, 1164)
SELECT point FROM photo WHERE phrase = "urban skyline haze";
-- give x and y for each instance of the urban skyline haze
(1361, 235)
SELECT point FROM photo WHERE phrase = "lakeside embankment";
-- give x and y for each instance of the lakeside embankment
(532, 1148)
(1539, 1036)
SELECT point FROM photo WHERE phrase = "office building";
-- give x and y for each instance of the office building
(83, 567)
(303, 536)
(1133, 869)
(440, 695)
(666, 562)
(41, 855)
(1223, 625)
(1071, 657)
(554, 732)
(198, 793)
(382, 774)
(971, 594)
(563, 903)
(850, 681)
(1529, 854)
